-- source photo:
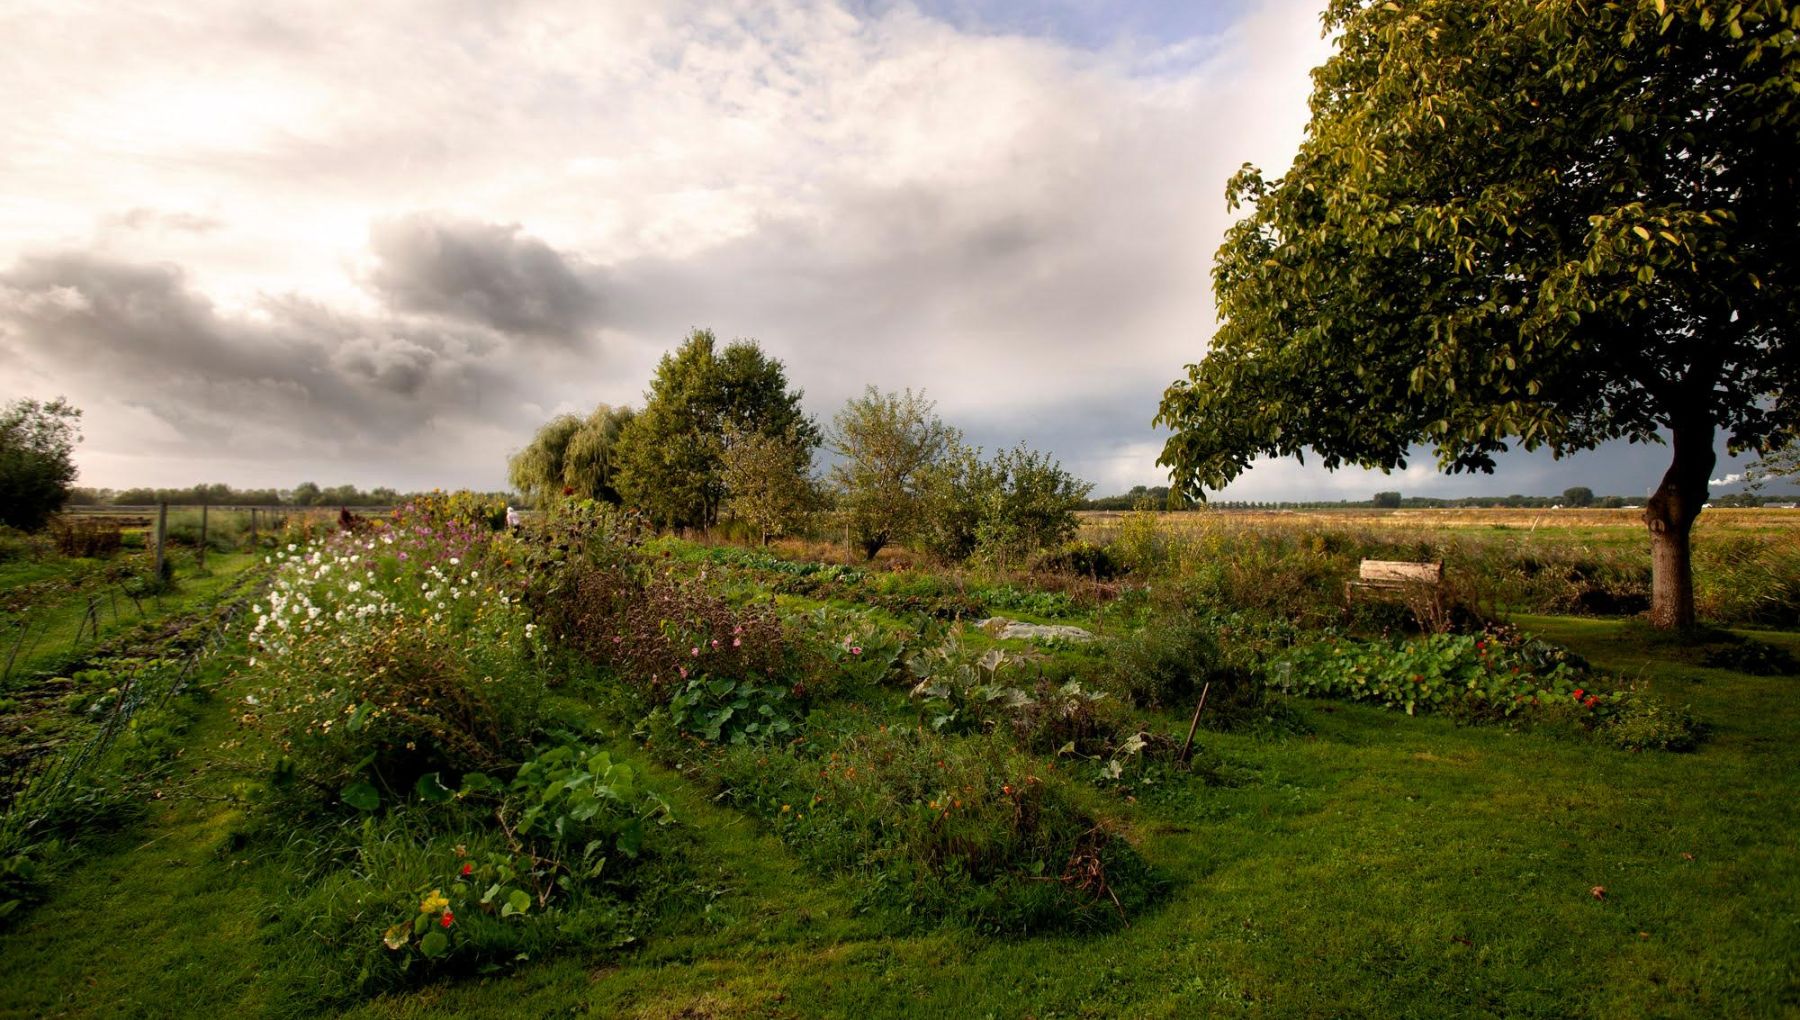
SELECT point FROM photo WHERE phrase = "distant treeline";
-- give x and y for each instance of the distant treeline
(304, 494)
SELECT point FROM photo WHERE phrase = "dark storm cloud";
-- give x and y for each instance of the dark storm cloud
(291, 367)
(490, 274)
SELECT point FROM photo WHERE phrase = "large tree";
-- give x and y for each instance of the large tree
(671, 456)
(37, 463)
(1547, 223)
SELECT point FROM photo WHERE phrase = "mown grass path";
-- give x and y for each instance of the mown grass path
(1381, 866)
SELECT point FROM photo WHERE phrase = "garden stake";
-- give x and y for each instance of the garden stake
(1189, 744)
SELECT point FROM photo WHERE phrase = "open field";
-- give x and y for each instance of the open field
(1323, 856)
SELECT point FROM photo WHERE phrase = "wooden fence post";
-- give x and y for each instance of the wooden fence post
(162, 526)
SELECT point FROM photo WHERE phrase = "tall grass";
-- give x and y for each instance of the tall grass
(1295, 565)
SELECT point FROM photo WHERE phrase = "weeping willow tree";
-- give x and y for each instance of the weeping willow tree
(572, 455)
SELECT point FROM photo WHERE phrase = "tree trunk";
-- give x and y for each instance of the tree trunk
(1670, 516)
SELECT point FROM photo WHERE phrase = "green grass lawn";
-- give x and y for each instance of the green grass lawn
(1379, 866)
(60, 627)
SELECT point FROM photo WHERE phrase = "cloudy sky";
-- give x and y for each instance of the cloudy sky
(381, 242)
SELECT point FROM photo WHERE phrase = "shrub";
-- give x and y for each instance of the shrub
(571, 852)
(1164, 663)
(1083, 559)
(390, 654)
(962, 830)
(1498, 675)
(85, 536)
(657, 635)
(1758, 658)
(841, 650)
(1645, 724)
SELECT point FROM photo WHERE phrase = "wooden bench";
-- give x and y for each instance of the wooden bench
(1395, 576)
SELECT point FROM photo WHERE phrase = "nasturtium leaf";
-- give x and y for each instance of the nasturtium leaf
(431, 789)
(362, 796)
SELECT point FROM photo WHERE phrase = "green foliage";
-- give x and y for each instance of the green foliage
(768, 481)
(1480, 674)
(1083, 559)
(37, 465)
(1387, 500)
(724, 710)
(1006, 509)
(1484, 677)
(572, 456)
(1757, 658)
(964, 830)
(1578, 496)
(1551, 225)
(960, 690)
(671, 456)
(1420, 275)
(1163, 664)
(887, 443)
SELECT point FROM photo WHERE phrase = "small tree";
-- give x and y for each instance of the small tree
(955, 494)
(1578, 496)
(1004, 509)
(1387, 501)
(37, 465)
(886, 442)
(768, 482)
(1032, 508)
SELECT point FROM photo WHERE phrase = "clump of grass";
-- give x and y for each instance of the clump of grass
(945, 830)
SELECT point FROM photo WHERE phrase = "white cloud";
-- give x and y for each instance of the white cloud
(1023, 227)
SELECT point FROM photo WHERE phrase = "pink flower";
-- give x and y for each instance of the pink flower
(737, 642)
(694, 651)
(856, 649)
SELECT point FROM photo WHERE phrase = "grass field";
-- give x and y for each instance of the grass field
(1364, 863)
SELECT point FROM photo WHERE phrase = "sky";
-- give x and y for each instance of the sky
(381, 243)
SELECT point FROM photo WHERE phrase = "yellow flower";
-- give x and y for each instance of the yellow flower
(434, 902)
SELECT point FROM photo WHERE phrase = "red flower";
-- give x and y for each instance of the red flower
(1590, 701)
(448, 918)
(1579, 691)
(467, 869)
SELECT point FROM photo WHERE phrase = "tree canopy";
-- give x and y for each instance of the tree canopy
(571, 453)
(1544, 224)
(671, 455)
(886, 444)
(37, 465)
